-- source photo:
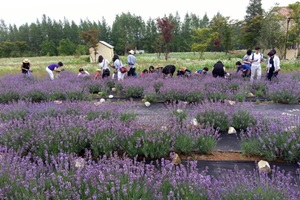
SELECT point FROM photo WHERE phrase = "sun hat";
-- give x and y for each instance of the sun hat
(159, 66)
(99, 70)
(26, 60)
(182, 69)
(131, 51)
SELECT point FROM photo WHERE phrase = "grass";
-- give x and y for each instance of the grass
(188, 59)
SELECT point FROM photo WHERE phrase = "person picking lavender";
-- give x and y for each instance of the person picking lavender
(53, 67)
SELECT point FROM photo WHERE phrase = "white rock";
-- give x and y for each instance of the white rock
(290, 128)
(264, 166)
(58, 102)
(79, 163)
(194, 122)
(231, 130)
(251, 95)
(113, 89)
(102, 100)
(231, 102)
(179, 110)
(147, 103)
(164, 128)
(111, 96)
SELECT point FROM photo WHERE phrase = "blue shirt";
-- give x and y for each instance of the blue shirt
(131, 60)
(243, 67)
(53, 66)
(199, 71)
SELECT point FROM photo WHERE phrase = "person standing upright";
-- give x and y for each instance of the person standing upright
(131, 60)
(256, 59)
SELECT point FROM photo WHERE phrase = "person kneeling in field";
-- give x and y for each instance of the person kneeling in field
(184, 72)
(219, 70)
(244, 68)
(203, 71)
(83, 73)
(25, 67)
(168, 71)
(54, 67)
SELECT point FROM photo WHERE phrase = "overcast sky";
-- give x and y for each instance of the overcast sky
(26, 11)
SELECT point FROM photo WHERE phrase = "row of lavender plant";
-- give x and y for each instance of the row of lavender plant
(73, 127)
(274, 138)
(274, 135)
(285, 89)
(71, 177)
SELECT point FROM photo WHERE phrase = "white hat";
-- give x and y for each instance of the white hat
(26, 60)
(131, 52)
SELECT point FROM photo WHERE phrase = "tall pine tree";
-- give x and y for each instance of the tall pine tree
(253, 22)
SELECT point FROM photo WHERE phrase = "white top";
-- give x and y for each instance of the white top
(276, 63)
(104, 65)
(257, 58)
(83, 74)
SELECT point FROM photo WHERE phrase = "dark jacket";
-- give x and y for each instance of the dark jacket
(218, 70)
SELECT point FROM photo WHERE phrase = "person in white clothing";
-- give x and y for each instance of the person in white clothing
(118, 64)
(276, 63)
(256, 59)
(83, 73)
(104, 66)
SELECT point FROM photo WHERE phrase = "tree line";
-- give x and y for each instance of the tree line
(170, 33)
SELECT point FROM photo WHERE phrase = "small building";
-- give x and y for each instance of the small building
(104, 49)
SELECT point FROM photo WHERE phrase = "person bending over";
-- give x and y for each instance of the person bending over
(53, 67)
(219, 70)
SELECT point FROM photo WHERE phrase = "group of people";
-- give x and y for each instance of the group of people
(250, 66)
(51, 69)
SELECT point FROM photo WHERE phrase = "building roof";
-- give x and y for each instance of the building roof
(106, 44)
(284, 11)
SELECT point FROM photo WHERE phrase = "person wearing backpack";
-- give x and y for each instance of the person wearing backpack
(256, 59)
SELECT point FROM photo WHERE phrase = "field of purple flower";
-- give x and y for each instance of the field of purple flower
(72, 149)
(154, 89)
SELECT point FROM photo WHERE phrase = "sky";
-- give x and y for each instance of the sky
(19, 12)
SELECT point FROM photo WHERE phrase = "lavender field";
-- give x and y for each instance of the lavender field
(61, 140)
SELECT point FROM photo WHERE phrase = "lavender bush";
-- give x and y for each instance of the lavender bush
(69, 177)
(273, 139)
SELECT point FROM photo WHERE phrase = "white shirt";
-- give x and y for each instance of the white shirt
(104, 65)
(276, 62)
(257, 57)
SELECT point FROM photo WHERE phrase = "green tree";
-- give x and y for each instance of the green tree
(66, 47)
(150, 38)
(48, 48)
(21, 46)
(253, 23)
(223, 27)
(204, 22)
(272, 34)
(202, 39)
(127, 32)
(294, 33)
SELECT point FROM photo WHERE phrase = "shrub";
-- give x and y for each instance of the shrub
(242, 119)
(134, 91)
(216, 119)
(9, 97)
